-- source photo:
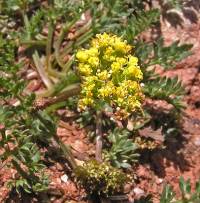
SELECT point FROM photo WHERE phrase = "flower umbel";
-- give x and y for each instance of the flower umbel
(110, 74)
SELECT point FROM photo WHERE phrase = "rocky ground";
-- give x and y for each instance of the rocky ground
(158, 167)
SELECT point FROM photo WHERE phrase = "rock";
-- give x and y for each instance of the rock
(192, 125)
(159, 180)
(197, 141)
(154, 134)
(64, 178)
(130, 126)
(58, 181)
(55, 192)
(32, 75)
(33, 85)
(138, 192)
(79, 162)
(59, 167)
(195, 94)
(127, 188)
(79, 146)
(142, 172)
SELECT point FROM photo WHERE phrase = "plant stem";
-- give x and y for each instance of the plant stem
(68, 64)
(64, 30)
(66, 151)
(67, 49)
(48, 46)
(26, 24)
(17, 166)
(77, 42)
(98, 154)
(70, 91)
(22, 173)
(54, 107)
(41, 71)
(55, 73)
(82, 39)
(29, 43)
(82, 30)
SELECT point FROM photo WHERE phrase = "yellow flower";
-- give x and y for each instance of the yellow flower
(82, 56)
(110, 74)
(116, 66)
(88, 87)
(108, 54)
(91, 79)
(107, 90)
(93, 51)
(121, 60)
(122, 46)
(103, 40)
(104, 75)
(133, 60)
(87, 101)
(104, 92)
(133, 102)
(120, 101)
(89, 94)
(84, 69)
(130, 85)
(133, 72)
(121, 91)
(93, 61)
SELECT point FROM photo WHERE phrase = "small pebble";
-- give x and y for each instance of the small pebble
(58, 180)
(32, 75)
(138, 191)
(197, 142)
(159, 181)
(59, 167)
(64, 178)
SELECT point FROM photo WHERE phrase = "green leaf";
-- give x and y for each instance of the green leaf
(168, 89)
(123, 151)
(139, 22)
(168, 56)
(167, 195)
(184, 186)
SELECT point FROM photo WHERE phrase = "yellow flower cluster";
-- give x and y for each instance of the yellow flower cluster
(110, 74)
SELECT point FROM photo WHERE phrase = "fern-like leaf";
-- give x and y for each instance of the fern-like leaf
(168, 89)
(167, 194)
(35, 25)
(156, 53)
(140, 22)
(167, 56)
(174, 3)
